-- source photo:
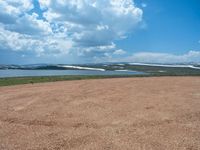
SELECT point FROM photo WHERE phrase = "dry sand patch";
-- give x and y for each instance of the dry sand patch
(158, 113)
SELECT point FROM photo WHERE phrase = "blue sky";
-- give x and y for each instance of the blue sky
(82, 31)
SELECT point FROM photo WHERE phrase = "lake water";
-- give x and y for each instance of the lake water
(28, 73)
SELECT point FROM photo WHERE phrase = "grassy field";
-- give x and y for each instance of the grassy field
(32, 80)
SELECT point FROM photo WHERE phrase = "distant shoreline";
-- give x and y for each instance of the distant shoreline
(97, 71)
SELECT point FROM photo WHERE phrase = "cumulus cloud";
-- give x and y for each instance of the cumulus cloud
(119, 52)
(39, 45)
(86, 27)
(150, 57)
(29, 24)
(93, 23)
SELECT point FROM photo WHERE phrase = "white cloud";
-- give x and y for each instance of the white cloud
(119, 52)
(10, 10)
(29, 24)
(47, 45)
(86, 27)
(150, 57)
(93, 23)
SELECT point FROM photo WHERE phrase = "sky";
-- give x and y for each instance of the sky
(95, 31)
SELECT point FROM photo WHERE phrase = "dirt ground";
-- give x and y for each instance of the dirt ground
(154, 113)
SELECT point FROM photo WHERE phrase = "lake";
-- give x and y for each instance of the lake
(28, 73)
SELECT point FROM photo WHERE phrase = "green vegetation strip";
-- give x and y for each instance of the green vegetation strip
(32, 80)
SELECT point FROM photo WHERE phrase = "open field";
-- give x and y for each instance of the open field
(42, 79)
(32, 80)
(154, 113)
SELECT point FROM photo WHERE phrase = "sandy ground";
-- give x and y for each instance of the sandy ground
(119, 114)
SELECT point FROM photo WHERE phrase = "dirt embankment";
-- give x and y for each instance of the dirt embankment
(155, 113)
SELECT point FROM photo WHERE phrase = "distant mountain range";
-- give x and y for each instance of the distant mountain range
(190, 69)
(100, 67)
(51, 67)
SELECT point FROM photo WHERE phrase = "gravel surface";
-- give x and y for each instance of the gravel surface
(153, 113)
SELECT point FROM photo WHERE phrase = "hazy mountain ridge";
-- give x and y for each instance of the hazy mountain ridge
(107, 66)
